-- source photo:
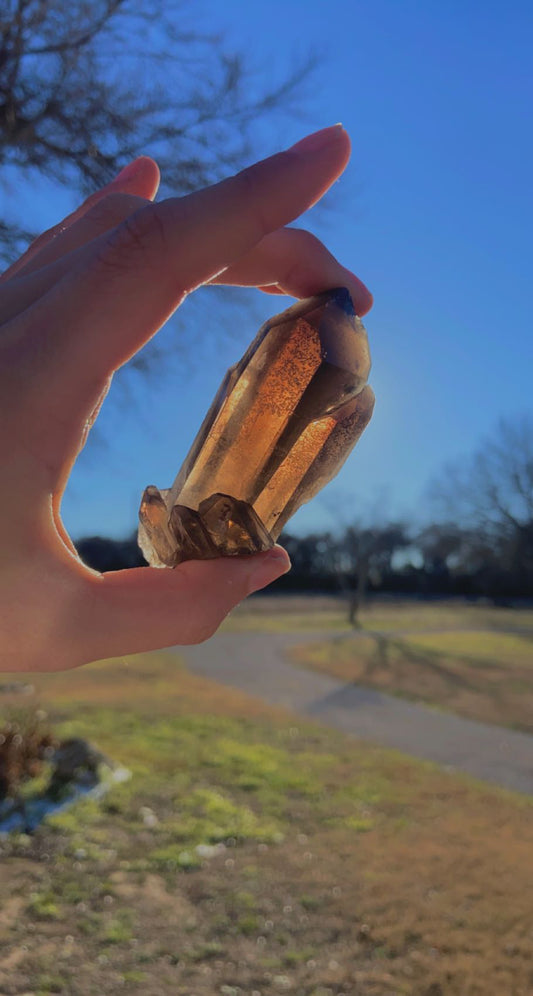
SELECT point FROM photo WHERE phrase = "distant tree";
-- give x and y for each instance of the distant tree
(371, 551)
(104, 554)
(365, 557)
(313, 559)
(489, 497)
(441, 546)
(85, 86)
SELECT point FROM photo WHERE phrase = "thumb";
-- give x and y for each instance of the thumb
(149, 608)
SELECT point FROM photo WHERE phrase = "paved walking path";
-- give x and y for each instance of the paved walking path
(256, 663)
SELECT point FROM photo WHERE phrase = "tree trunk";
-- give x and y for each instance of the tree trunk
(358, 594)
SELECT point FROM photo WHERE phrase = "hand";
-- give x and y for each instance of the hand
(80, 302)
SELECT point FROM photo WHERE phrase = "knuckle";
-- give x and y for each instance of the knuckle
(303, 246)
(306, 240)
(139, 239)
(251, 192)
(306, 257)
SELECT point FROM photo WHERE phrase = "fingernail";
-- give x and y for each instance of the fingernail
(272, 566)
(319, 139)
(129, 171)
(362, 297)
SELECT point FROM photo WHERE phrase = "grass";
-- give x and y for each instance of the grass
(328, 612)
(251, 852)
(486, 676)
(472, 659)
(506, 649)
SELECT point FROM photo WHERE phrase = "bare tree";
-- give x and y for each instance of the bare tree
(362, 550)
(489, 497)
(87, 85)
(365, 554)
(439, 545)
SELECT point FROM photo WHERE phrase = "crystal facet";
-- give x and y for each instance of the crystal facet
(280, 427)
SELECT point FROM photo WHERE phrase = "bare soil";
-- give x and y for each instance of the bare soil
(339, 869)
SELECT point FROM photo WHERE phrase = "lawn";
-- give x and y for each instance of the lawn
(474, 660)
(329, 612)
(252, 853)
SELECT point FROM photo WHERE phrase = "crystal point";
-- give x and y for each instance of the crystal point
(280, 427)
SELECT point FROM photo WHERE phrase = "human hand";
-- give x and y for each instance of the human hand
(84, 298)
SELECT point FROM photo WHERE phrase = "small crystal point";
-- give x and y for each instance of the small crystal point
(233, 526)
(193, 539)
(282, 424)
(156, 540)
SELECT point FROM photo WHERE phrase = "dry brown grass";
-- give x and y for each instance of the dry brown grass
(391, 878)
(483, 676)
(290, 612)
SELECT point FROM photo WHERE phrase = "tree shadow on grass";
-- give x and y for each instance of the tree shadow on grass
(386, 648)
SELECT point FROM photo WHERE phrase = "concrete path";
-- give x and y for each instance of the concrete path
(256, 663)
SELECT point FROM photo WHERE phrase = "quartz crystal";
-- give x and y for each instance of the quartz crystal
(281, 426)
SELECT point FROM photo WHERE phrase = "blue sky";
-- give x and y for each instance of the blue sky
(435, 212)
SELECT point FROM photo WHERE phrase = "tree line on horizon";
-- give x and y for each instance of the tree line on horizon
(479, 542)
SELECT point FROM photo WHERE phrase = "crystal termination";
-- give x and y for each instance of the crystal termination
(281, 426)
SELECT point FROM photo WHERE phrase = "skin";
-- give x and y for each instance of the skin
(79, 303)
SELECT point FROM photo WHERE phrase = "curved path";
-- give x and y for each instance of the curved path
(256, 663)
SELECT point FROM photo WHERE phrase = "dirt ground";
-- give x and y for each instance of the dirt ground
(253, 854)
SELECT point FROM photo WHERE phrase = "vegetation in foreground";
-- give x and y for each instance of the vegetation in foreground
(250, 853)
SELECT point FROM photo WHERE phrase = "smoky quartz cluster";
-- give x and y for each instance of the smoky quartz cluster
(284, 420)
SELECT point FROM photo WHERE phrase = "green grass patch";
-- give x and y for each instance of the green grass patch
(258, 852)
(212, 780)
(44, 906)
(482, 647)
(119, 928)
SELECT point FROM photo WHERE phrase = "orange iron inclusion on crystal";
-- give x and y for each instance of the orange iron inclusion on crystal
(282, 424)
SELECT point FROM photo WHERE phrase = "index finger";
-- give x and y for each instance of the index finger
(128, 283)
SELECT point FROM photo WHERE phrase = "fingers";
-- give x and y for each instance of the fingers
(288, 261)
(107, 211)
(146, 609)
(56, 258)
(122, 293)
(292, 261)
(139, 178)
